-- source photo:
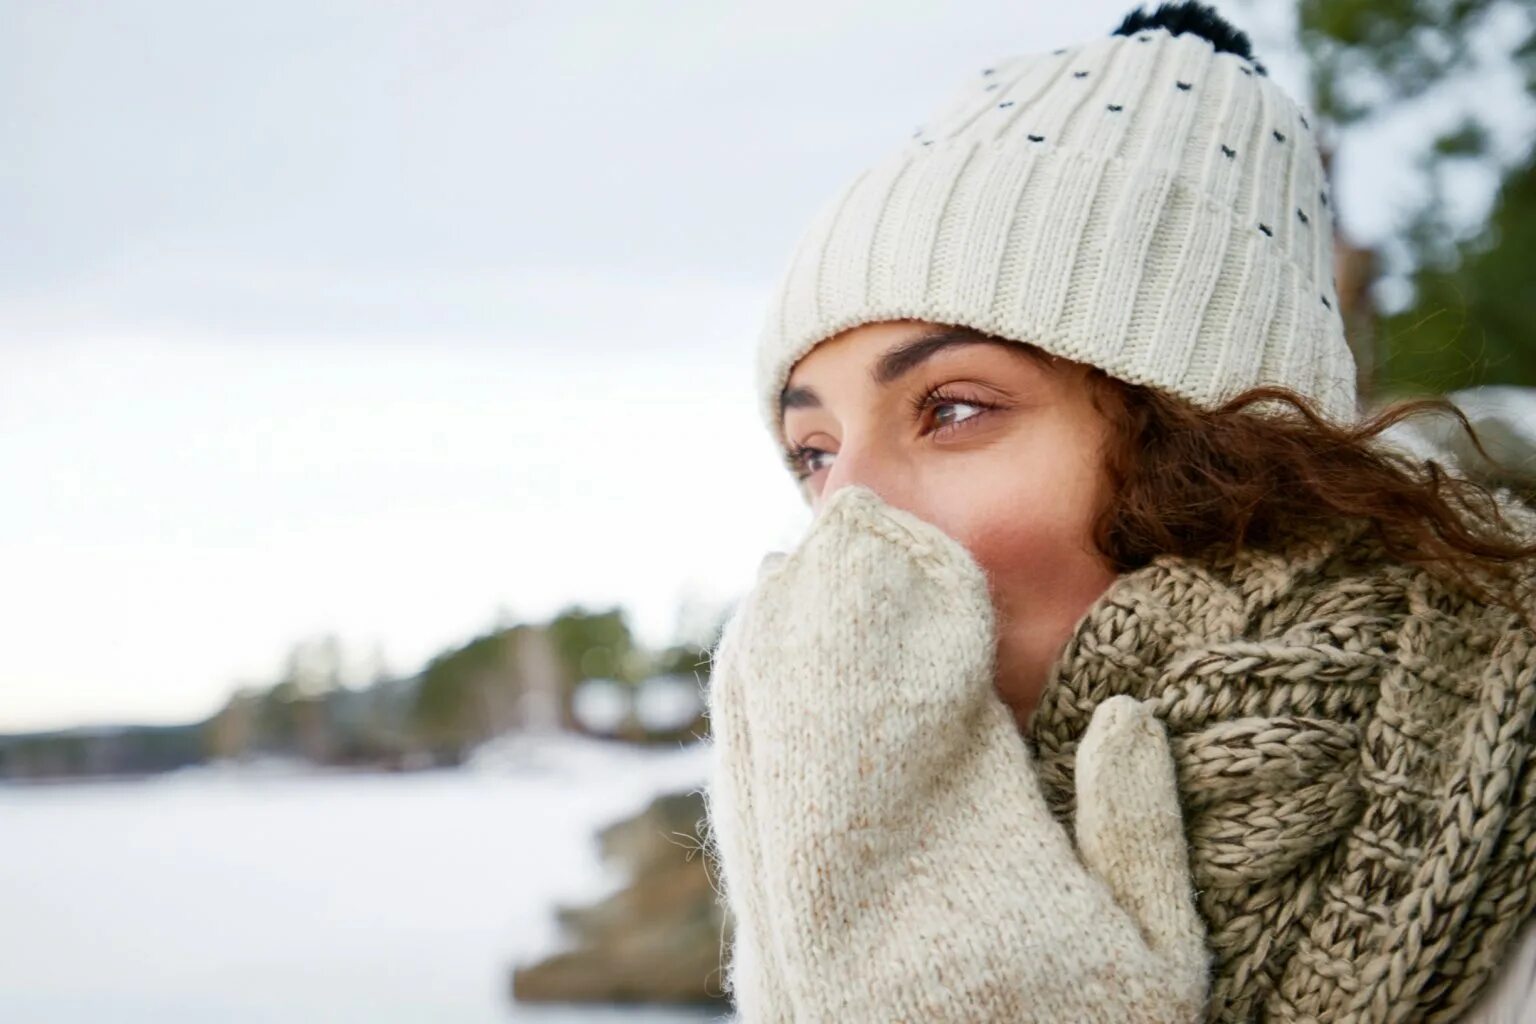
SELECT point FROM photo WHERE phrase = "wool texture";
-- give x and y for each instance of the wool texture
(1356, 760)
(1146, 203)
(877, 830)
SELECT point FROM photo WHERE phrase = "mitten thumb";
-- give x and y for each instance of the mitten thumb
(1130, 830)
(771, 561)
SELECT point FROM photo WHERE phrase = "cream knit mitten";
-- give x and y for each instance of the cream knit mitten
(877, 826)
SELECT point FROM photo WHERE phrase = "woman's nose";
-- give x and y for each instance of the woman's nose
(867, 468)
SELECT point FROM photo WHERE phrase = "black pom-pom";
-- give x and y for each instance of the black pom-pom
(1195, 18)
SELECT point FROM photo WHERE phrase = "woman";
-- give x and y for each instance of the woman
(1123, 675)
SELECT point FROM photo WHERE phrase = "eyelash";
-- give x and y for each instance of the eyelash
(794, 457)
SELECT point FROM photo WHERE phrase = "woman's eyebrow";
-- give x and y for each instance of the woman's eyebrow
(897, 361)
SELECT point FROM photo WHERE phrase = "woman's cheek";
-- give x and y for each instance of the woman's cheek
(1037, 565)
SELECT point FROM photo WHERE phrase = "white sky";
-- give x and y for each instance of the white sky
(392, 318)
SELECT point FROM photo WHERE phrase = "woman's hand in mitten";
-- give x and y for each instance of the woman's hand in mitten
(883, 842)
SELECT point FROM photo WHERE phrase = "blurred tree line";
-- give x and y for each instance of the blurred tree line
(1466, 309)
(511, 678)
(518, 677)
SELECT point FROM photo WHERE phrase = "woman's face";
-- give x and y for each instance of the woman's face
(996, 449)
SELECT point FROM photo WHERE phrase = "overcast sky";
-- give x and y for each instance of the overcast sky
(397, 319)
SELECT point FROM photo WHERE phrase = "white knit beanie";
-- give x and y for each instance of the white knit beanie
(1149, 203)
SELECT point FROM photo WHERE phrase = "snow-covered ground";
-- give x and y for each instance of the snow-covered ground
(268, 896)
(1503, 415)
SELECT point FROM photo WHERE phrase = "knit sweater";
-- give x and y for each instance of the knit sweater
(1356, 747)
(1353, 745)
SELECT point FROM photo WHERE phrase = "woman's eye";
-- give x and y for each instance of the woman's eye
(957, 419)
(800, 460)
(947, 419)
(804, 461)
(808, 459)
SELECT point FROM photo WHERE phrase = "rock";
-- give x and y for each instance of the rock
(656, 940)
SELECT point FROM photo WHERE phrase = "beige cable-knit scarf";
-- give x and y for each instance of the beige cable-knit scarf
(1357, 765)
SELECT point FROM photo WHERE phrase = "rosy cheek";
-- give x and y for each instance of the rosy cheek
(1029, 561)
(1010, 559)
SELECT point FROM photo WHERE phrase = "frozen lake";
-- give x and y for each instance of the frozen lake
(248, 896)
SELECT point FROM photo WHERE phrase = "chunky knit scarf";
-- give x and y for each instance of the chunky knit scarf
(1357, 764)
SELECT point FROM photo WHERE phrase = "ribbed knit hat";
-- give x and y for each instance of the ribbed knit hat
(1150, 203)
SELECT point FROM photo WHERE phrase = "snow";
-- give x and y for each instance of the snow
(1507, 406)
(266, 896)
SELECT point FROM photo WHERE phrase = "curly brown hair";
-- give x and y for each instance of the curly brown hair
(1185, 479)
